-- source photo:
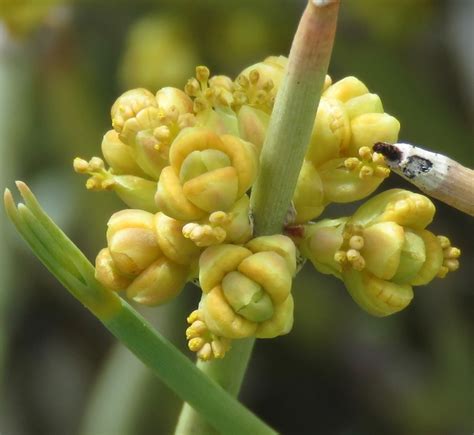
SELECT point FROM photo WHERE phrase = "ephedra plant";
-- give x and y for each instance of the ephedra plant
(225, 183)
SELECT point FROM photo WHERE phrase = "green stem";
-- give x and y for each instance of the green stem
(228, 373)
(66, 262)
(293, 116)
(282, 156)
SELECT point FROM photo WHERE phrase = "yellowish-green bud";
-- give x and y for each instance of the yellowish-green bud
(147, 256)
(346, 89)
(220, 120)
(321, 242)
(253, 124)
(196, 184)
(119, 156)
(128, 105)
(247, 289)
(246, 297)
(168, 98)
(308, 198)
(348, 123)
(370, 128)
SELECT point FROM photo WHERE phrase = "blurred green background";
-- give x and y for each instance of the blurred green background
(340, 371)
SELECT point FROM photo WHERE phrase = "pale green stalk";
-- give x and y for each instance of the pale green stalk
(282, 156)
(71, 268)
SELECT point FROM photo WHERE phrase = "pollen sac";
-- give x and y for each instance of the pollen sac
(207, 173)
(247, 289)
(146, 256)
(382, 251)
(340, 165)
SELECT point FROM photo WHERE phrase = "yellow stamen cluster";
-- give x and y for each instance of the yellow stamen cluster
(209, 92)
(349, 254)
(100, 179)
(254, 91)
(370, 164)
(202, 341)
(451, 256)
(257, 85)
(185, 162)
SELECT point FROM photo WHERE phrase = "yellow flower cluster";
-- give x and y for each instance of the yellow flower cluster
(340, 165)
(147, 256)
(185, 160)
(382, 251)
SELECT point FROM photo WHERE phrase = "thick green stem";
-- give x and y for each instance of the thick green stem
(282, 156)
(293, 116)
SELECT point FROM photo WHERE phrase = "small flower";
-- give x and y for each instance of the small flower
(247, 290)
(340, 165)
(207, 173)
(382, 250)
(146, 255)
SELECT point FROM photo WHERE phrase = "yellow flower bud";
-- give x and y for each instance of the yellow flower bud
(321, 242)
(128, 105)
(370, 128)
(207, 173)
(247, 289)
(168, 98)
(331, 132)
(366, 103)
(253, 124)
(119, 156)
(346, 89)
(308, 198)
(147, 256)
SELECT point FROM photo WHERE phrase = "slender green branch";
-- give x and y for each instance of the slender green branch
(282, 156)
(66, 262)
